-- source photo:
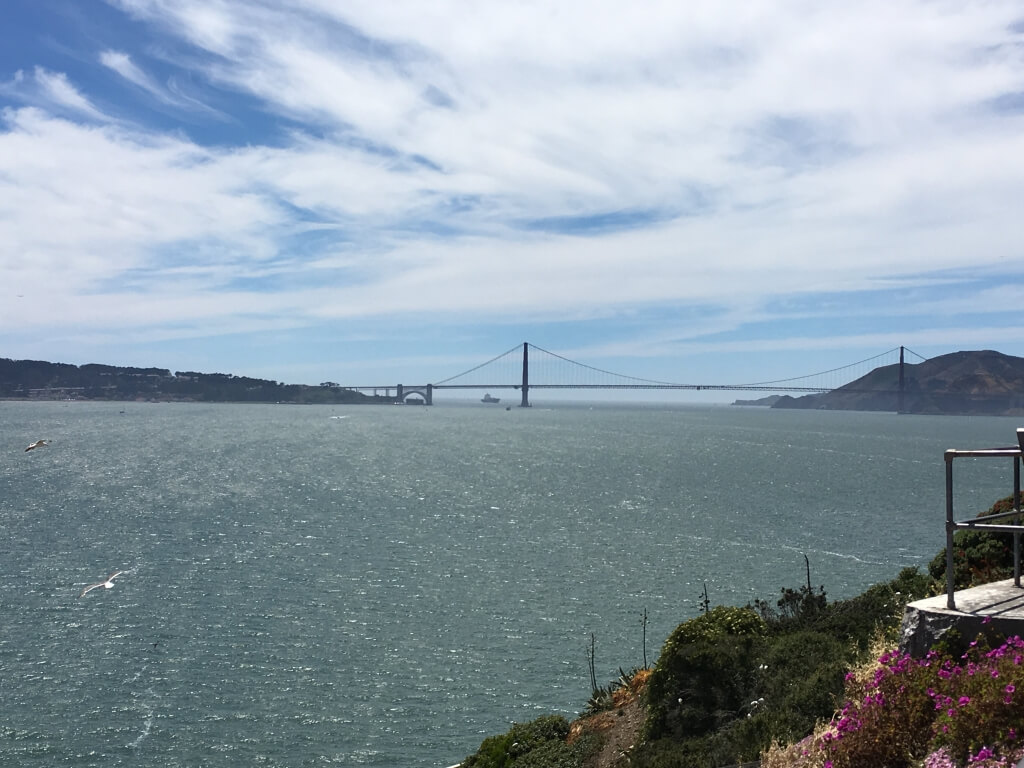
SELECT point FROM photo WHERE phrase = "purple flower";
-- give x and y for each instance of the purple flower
(964, 701)
(983, 754)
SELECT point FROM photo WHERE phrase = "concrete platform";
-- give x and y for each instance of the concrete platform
(997, 607)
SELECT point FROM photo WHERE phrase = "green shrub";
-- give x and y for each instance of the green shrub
(493, 753)
(731, 682)
(741, 741)
(540, 743)
(705, 674)
(720, 621)
(858, 619)
(979, 557)
(802, 681)
(795, 608)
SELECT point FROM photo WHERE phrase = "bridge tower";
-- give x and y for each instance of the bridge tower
(902, 385)
(525, 402)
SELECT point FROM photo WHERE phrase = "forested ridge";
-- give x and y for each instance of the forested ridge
(40, 380)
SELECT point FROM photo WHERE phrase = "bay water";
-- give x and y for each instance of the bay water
(386, 586)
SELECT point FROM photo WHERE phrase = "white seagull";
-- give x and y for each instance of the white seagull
(108, 584)
(37, 444)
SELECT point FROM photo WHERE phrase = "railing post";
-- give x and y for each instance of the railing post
(950, 527)
(1016, 506)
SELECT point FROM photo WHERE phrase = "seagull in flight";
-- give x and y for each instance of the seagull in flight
(108, 584)
(37, 444)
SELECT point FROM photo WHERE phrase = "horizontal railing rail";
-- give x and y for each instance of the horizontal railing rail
(984, 522)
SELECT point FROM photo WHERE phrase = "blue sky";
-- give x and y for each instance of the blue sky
(372, 192)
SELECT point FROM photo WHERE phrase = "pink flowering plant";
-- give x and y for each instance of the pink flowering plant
(885, 717)
(942, 711)
(980, 702)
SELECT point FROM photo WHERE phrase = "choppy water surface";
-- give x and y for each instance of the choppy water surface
(387, 586)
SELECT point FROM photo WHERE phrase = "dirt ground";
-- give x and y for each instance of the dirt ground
(620, 736)
(619, 727)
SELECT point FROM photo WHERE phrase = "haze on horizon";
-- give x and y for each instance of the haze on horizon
(370, 192)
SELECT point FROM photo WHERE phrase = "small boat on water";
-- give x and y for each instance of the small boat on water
(488, 399)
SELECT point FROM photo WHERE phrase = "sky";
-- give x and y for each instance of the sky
(371, 192)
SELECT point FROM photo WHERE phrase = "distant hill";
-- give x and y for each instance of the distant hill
(761, 401)
(39, 380)
(983, 382)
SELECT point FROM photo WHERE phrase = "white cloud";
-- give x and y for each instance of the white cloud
(432, 153)
(55, 87)
(122, 63)
(51, 91)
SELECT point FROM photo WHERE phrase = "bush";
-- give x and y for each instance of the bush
(858, 619)
(979, 707)
(705, 673)
(979, 557)
(537, 744)
(802, 681)
(795, 608)
(885, 721)
(939, 710)
(734, 681)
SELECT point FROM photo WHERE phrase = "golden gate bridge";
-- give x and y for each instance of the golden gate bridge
(527, 367)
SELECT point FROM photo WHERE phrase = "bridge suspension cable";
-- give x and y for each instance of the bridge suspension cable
(606, 373)
(501, 373)
(516, 348)
(829, 371)
(922, 358)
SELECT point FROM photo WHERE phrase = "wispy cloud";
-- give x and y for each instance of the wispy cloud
(122, 63)
(51, 91)
(171, 95)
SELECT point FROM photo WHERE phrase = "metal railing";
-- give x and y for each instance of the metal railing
(985, 522)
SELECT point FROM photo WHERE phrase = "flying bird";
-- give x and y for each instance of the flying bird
(108, 584)
(37, 444)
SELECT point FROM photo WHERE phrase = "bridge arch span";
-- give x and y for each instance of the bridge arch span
(425, 391)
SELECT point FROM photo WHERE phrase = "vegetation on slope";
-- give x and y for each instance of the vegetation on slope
(733, 684)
